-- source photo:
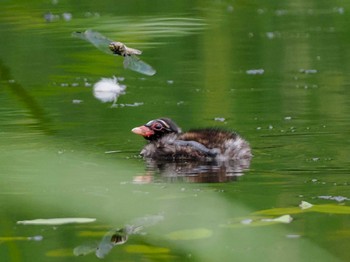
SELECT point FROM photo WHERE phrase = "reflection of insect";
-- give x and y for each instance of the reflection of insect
(117, 236)
(131, 61)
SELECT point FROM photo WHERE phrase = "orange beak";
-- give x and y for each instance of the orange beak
(143, 131)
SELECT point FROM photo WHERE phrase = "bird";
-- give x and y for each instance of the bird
(166, 141)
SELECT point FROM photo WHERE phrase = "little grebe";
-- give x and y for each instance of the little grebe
(167, 142)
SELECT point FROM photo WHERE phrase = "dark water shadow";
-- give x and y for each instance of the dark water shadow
(27, 100)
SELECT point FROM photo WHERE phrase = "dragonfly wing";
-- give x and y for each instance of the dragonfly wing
(134, 63)
(85, 249)
(110, 240)
(95, 38)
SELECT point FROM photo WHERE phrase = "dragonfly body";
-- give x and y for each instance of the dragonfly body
(118, 48)
(131, 61)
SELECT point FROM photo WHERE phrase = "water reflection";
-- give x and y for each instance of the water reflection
(117, 236)
(193, 172)
(20, 93)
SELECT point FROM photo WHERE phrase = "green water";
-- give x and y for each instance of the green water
(65, 154)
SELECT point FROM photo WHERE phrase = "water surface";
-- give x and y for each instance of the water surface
(277, 73)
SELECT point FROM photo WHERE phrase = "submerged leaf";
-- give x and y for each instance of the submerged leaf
(279, 211)
(305, 207)
(146, 249)
(56, 221)
(333, 209)
(282, 219)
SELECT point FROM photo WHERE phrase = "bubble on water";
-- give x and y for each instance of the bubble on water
(36, 238)
(336, 198)
(77, 101)
(219, 119)
(67, 16)
(260, 11)
(246, 221)
(255, 71)
(293, 236)
(270, 35)
(230, 8)
(339, 10)
(281, 12)
(50, 17)
(308, 71)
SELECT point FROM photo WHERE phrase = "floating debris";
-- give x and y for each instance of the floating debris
(305, 205)
(336, 198)
(113, 151)
(108, 90)
(282, 219)
(132, 105)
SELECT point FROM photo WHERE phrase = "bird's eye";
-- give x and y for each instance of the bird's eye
(157, 126)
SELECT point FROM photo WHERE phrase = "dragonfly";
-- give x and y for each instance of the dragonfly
(130, 55)
(117, 236)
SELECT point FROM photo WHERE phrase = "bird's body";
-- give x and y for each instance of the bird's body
(167, 142)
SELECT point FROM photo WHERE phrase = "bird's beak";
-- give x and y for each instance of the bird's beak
(143, 131)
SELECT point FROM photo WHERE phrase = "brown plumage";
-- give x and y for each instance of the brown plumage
(167, 142)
